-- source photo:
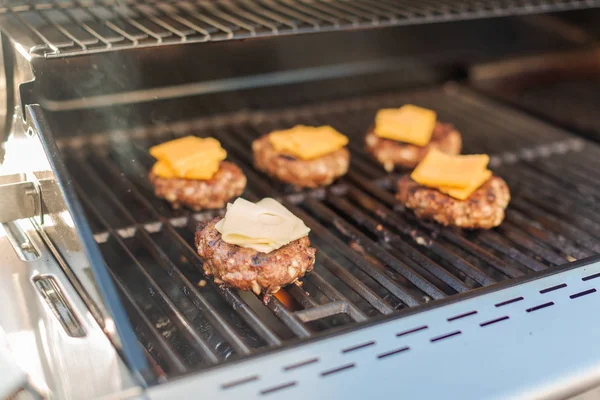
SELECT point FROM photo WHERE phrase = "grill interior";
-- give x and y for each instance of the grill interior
(374, 259)
(570, 102)
(58, 28)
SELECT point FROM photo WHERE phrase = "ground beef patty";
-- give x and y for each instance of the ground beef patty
(483, 209)
(227, 183)
(248, 269)
(303, 173)
(392, 153)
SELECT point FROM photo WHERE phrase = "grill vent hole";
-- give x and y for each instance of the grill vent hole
(584, 293)
(301, 364)
(278, 388)
(446, 336)
(421, 328)
(493, 321)
(238, 382)
(590, 277)
(338, 369)
(461, 316)
(358, 347)
(550, 303)
(393, 352)
(507, 302)
(553, 288)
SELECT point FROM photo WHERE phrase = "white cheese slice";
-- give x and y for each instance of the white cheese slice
(264, 226)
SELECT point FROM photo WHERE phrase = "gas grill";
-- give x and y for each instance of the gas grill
(105, 293)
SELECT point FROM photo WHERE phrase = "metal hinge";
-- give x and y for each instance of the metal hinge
(18, 198)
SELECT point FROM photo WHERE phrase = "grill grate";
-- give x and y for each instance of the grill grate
(373, 258)
(57, 28)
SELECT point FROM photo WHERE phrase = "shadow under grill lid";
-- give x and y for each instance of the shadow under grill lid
(375, 260)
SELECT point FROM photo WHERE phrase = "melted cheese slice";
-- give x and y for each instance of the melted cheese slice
(464, 193)
(189, 157)
(308, 142)
(264, 226)
(163, 170)
(409, 124)
(441, 169)
(183, 146)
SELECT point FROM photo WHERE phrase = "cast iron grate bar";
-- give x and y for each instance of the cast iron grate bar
(374, 257)
(184, 247)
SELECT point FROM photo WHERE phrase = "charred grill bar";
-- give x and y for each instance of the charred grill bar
(373, 258)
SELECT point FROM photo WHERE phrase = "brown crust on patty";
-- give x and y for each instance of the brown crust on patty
(391, 153)
(484, 209)
(303, 173)
(248, 269)
(227, 183)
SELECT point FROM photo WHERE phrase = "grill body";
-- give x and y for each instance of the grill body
(394, 305)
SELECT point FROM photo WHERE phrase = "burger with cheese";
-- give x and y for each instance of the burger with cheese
(304, 156)
(402, 136)
(192, 172)
(256, 246)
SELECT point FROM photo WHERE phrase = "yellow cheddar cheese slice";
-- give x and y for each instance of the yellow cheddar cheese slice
(189, 158)
(454, 171)
(409, 124)
(202, 164)
(308, 142)
(182, 147)
(163, 170)
(464, 193)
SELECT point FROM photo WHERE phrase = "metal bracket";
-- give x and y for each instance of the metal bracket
(18, 198)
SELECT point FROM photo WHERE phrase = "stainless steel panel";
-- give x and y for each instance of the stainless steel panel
(18, 200)
(528, 341)
(66, 233)
(58, 364)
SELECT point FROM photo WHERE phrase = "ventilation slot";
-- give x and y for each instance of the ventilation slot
(338, 369)
(278, 388)
(553, 288)
(507, 302)
(551, 303)
(360, 346)
(421, 328)
(590, 277)
(584, 293)
(493, 321)
(231, 384)
(446, 336)
(393, 352)
(462, 316)
(301, 364)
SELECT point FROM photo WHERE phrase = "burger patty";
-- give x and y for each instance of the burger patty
(483, 209)
(248, 269)
(303, 173)
(391, 153)
(227, 183)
